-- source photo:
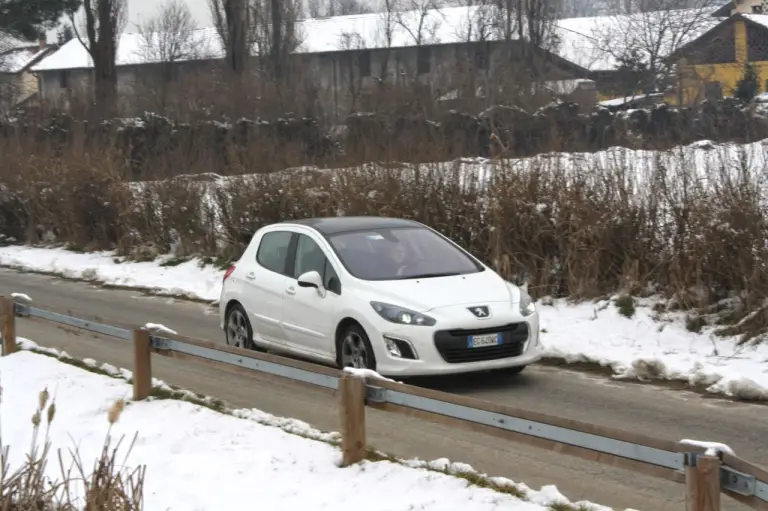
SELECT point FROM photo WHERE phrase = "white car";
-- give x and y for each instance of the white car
(385, 294)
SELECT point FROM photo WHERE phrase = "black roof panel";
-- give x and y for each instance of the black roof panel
(338, 224)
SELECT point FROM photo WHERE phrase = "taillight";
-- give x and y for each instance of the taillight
(228, 272)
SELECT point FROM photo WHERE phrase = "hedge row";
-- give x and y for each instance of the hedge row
(153, 146)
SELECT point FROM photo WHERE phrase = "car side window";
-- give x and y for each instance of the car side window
(273, 251)
(310, 257)
(331, 279)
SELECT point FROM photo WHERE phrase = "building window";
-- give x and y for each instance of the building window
(364, 63)
(63, 79)
(423, 60)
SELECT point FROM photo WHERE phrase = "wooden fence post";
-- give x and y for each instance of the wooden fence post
(8, 319)
(142, 365)
(353, 444)
(702, 484)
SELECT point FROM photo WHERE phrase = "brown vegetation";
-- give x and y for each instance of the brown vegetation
(694, 232)
(106, 487)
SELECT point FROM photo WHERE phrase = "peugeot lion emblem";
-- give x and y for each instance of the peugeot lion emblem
(479, 311)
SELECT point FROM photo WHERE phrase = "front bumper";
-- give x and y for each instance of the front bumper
(443, 349)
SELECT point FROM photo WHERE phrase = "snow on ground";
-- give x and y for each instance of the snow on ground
(243, 458)
(645, 347)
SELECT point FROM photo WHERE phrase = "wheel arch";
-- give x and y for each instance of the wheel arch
(231, 303)
(345, 323)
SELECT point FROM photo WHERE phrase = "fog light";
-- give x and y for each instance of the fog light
(400, 348)
(392, 348)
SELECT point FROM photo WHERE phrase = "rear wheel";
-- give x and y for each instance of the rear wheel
(238, 329)
(354, 349)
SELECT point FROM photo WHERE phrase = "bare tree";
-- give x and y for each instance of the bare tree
(535, 26)
(420, 19)
(273, 32)
(104, 22)
(166, 40)
(641, 38)
(315, 9)
(168, 37)
(346, 7)
(353, 45)
(385, 34)
(231, 18)
(266, 26)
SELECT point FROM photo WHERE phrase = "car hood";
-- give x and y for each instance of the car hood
(423, 295)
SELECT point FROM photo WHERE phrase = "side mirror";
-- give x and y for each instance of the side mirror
(311, 279)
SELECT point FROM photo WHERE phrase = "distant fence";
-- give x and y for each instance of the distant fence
(706, 475)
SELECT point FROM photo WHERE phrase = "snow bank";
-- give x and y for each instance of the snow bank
(244, 460)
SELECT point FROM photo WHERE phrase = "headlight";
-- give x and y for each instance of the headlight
(527, 307)
(401, 315)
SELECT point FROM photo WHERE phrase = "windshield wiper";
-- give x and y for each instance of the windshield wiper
(430, 275)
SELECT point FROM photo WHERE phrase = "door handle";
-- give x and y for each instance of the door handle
(291, 290)
(250, 276)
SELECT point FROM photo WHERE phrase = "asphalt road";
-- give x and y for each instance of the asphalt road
(644, 409)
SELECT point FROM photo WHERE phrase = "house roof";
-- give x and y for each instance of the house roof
(581, 40)
(724, 10)
(758, 20)
(17, 55)
(132, 49)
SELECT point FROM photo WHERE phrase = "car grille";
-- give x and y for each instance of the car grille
(452, 344)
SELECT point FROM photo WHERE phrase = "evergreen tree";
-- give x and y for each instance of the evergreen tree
(749, 85)
(27, 18)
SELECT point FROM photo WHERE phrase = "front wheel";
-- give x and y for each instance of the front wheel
(354, 349)
(237, 329)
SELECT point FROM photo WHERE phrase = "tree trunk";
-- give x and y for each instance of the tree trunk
(277, 38)
(237, 28)
(104, 52)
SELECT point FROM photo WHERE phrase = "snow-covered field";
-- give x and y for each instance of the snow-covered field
(200, 459)
(647, 346)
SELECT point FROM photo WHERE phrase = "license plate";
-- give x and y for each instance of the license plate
(480, 341)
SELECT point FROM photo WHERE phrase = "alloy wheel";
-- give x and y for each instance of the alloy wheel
(237, 330)
(354, 352)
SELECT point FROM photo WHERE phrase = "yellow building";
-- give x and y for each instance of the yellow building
(18, 85)
(711, 66)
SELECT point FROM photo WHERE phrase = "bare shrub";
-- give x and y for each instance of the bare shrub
(107, 487)
(567, 225)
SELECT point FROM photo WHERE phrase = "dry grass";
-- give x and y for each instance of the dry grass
(107, 486)
(694, 234)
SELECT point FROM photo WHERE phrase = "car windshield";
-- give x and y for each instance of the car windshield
(400, 253)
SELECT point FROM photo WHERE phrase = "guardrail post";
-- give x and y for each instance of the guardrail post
(353, 443)
(702, 483)
(8, 318)
(142, 365)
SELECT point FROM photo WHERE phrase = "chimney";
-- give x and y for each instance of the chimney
(43, 40)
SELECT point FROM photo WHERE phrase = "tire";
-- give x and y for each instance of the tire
(354, 349)
(237, 328)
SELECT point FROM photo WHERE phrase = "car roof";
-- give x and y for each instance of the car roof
(328, 226)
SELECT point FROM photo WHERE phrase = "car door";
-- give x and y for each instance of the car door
(266, 279)
(309, 315)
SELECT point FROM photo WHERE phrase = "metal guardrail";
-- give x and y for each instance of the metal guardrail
(620, 448)
(262, 366)
(666, 459)
(23, 310)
